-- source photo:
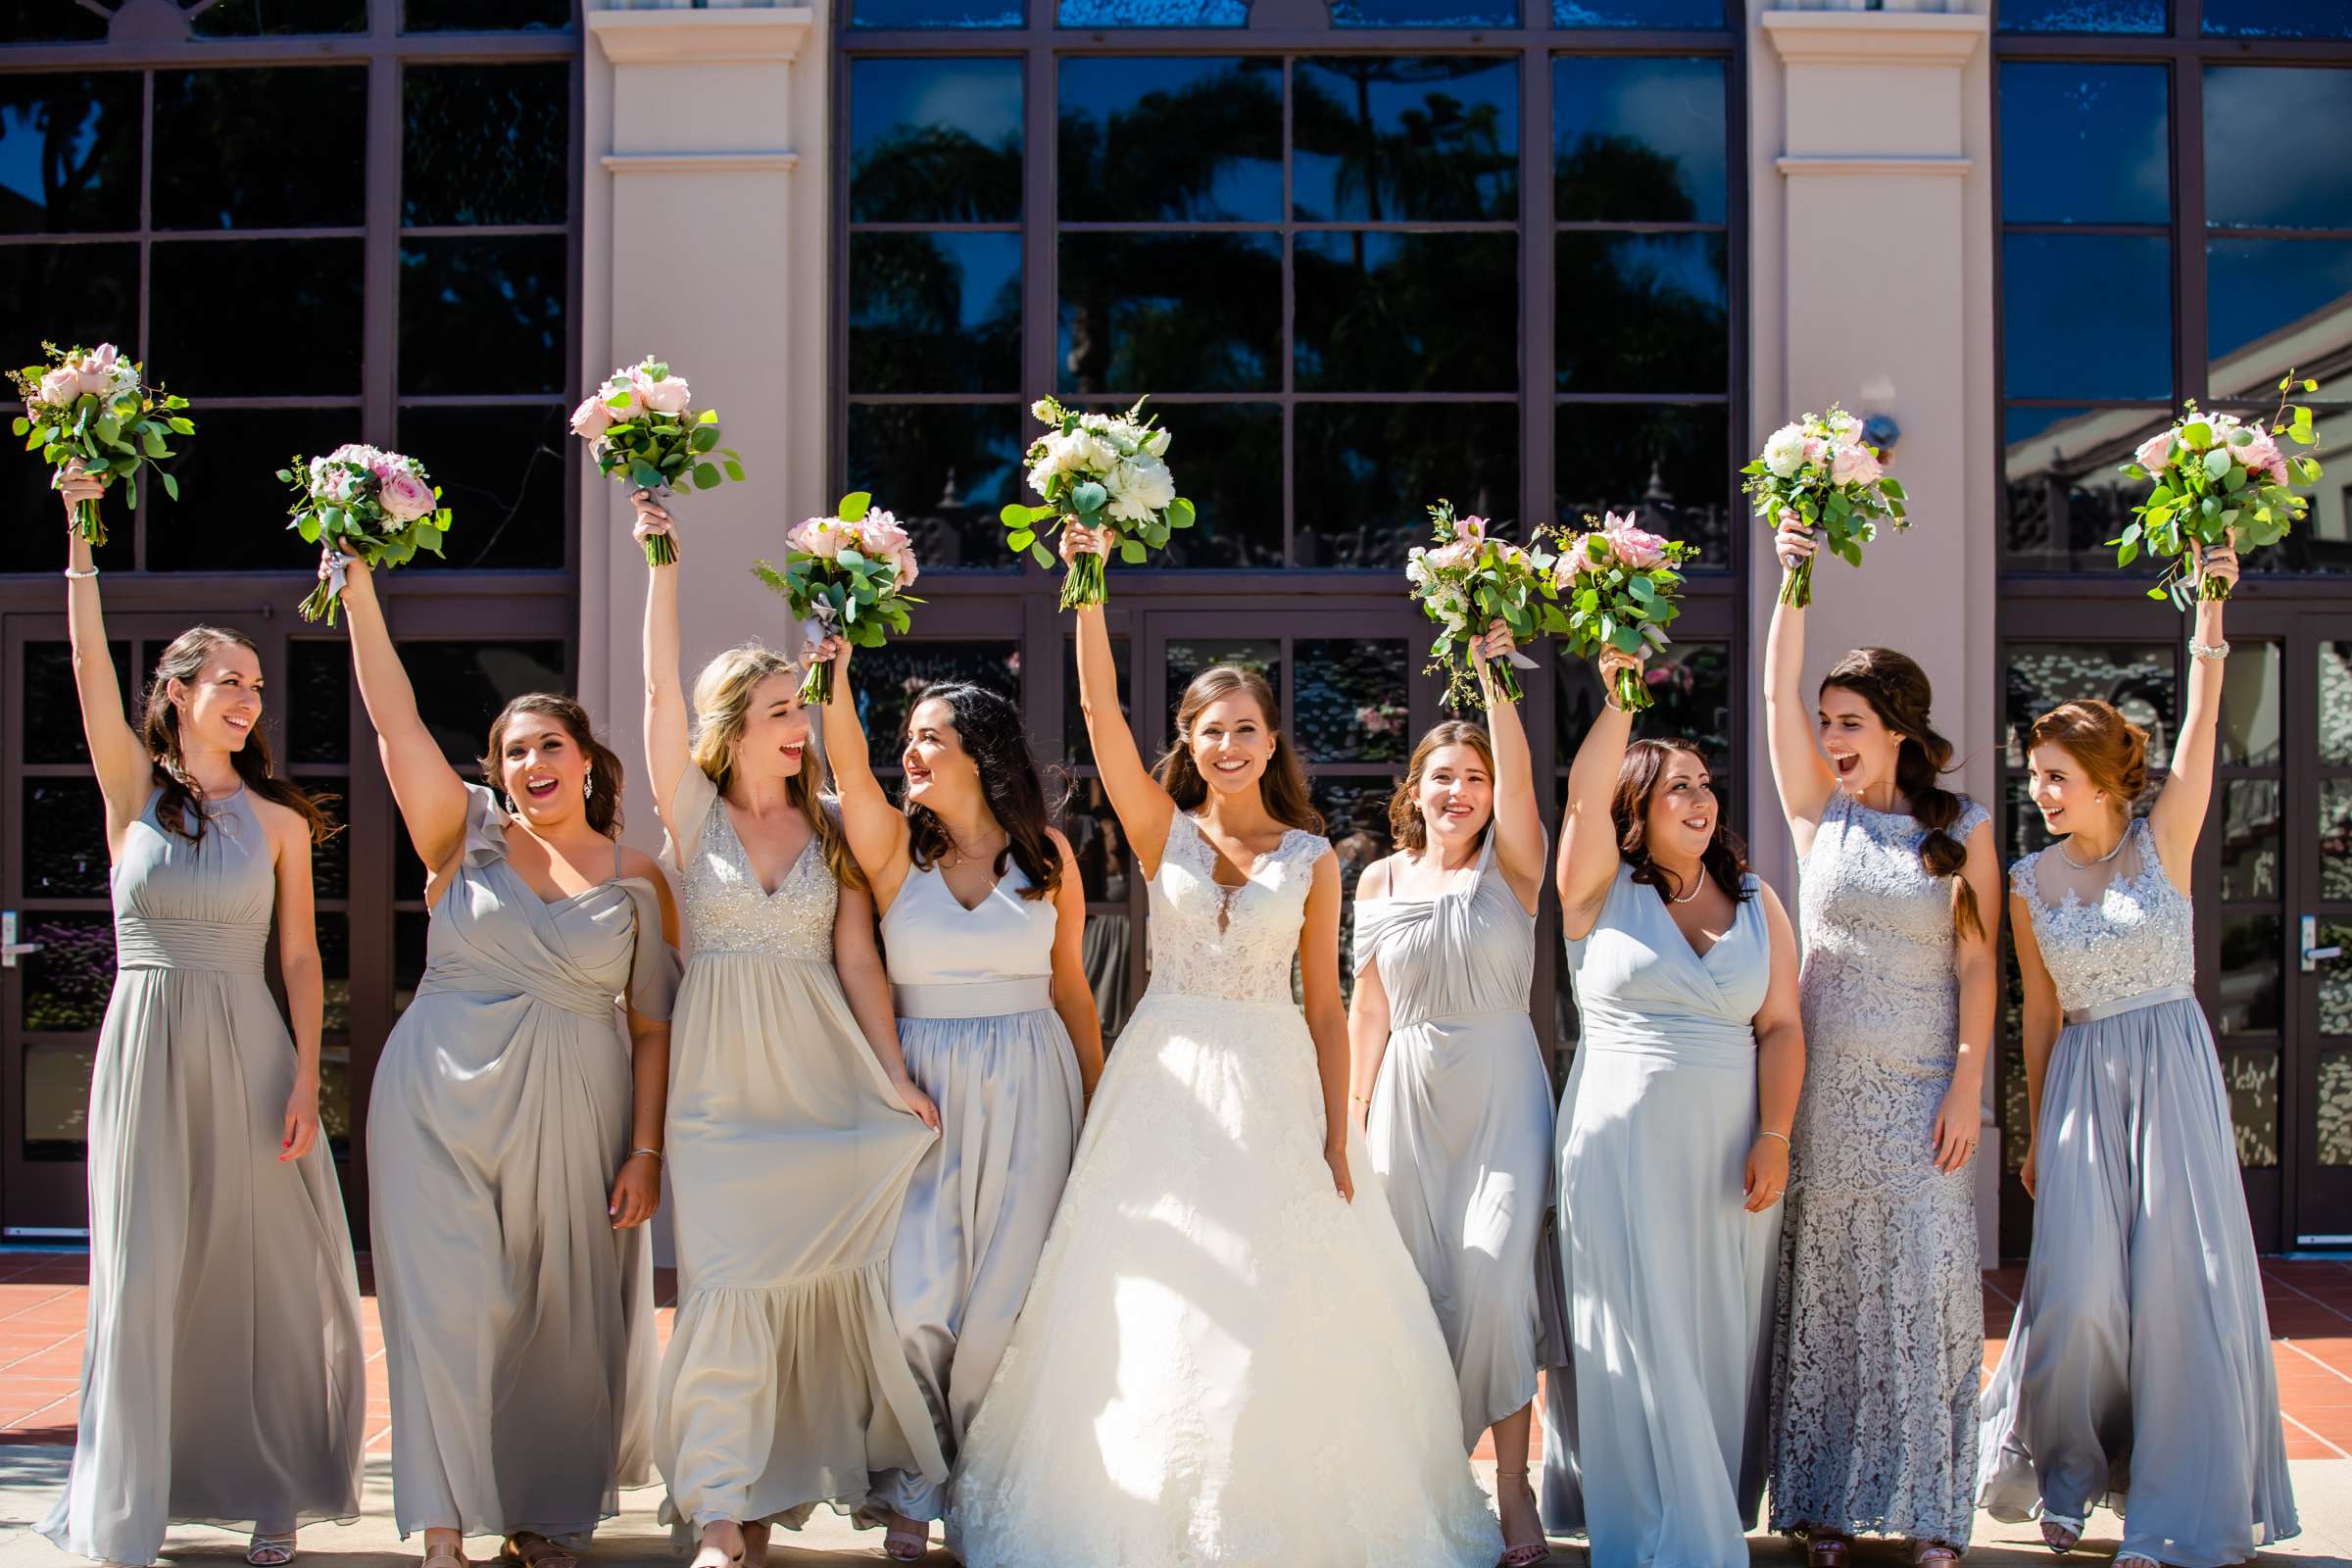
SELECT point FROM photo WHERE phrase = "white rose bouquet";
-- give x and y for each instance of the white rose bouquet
(847, 576)
(364, 502)
(643, 430)
(2219, 482)
(1469, 580)
(1621, 583)
(1822, 472)
(1102, 471)
(93, 405)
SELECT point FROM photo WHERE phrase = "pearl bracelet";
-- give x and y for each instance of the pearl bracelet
(92, 572)
(2198, 649)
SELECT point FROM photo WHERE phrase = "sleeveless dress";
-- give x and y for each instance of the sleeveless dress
(2140, 1373)
(223, 1379)
(519, 1324)
(1222, 1360)
(1460, 1125)
(973, 992)
(1654, 1440)
(1882, 1324)
(788, 1154)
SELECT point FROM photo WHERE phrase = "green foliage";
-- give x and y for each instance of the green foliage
(111, 435)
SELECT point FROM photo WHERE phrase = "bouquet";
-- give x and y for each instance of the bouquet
(1821, 472)
(847, 576)
(1098, 470)
(642, 428)
(1470, 581)
(92, 405)
(1621, 583)
(363, 502)
(2216, 477)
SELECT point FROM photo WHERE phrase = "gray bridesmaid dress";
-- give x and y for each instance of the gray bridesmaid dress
(223, 1380)
(783, 1385)
(1654, 1441)
(519, 1324)
(2140, 1373)
(1461, 1126)
(974, 990)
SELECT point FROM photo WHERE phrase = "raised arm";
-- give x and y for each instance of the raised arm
(1779, 1062)
(1143, 808)
(428, 792)
(877, 830)
(1073, 992)
(666, 754)
(1518, 821)
(1326, 1015)
(1588, 860)
(126, 773)
(1798, 770)
(2039, 1023)
(2179, 815)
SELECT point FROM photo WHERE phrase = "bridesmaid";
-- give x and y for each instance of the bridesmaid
(793, 1126)
(222, 1383)
(515, 1127)
(2143, 1350)
(984, 921)
(1448, 1083)
(1881, 1327)
(1673, 1156)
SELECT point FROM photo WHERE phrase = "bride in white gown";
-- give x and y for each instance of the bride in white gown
(1223, 1358)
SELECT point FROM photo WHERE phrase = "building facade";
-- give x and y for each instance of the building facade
(1542, 257)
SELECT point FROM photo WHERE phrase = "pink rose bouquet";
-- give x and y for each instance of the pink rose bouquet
(364, 502)
(847, 576)
(2218, 479)
(93, 406)
(1620, 583)
(1470, 579)
(1821, 470)
(643, 430)
(1104, 470)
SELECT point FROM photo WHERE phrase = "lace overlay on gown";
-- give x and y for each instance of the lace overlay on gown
(2138, 935)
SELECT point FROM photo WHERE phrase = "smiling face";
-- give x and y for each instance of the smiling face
(1680, 821)
(2062, 792)
(1862, 750)
(940, 773)
(222, 703)
(1230, 743)
(775, 729)
(1457, 794)
(542, 768)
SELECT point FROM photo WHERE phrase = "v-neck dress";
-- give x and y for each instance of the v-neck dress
(519, 1324)
(1654, 1447)
(789, 1156)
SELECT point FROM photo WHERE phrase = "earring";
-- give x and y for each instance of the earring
(509, 800)
(588, 788)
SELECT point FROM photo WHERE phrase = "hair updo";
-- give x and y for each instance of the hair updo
(2111, 750)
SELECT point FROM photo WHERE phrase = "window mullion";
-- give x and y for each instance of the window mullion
(379, 296)
(2188, 222)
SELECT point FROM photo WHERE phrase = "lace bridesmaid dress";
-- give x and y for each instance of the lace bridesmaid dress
(2140, 1373)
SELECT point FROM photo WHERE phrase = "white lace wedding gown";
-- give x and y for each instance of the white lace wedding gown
(1221, 1360)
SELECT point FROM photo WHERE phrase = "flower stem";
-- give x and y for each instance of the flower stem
(1633, 692)
(88, 523)
(659, 552)
(816, 688)
(1796, 588)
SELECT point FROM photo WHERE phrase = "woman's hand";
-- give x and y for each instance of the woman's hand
(1498, 643)
(1791, 538)
(1766, 1177)
(2218, 561)
(1077, 539)
(1336, 1157)
(1957, 1123)
(834, 650)
(74, 486)
(653, 520)
(911, 1095)
(636, 1192)
(301, 1119)
(1614, 659)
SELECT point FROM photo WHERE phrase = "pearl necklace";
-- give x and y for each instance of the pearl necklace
(1697, 882)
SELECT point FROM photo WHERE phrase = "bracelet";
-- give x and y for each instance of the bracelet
(92, 572)
(2198, 649)
(1766, 1132)
(1359, 1100)
(656, 1153)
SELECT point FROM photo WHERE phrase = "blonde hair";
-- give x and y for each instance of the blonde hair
(722, 708)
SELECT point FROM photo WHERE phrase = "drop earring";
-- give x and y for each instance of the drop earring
(588, 788)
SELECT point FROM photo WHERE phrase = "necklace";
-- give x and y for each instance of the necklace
(1697, 882)
(2085, 865)
(958, 854)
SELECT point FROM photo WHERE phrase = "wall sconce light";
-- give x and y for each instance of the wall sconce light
(1881, 432)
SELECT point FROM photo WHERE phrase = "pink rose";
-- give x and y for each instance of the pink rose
(670, 395)
(2263, 457)
(1636, 548)
(96, 369)
(1469, 527)
(405, 495)
(61, 387)
(820, 537)
(1853, 465)
(621, 395)
(591, 419)
(1816, 449)
(2156, 450)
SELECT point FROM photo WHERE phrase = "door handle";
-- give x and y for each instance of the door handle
(10, 948)
(2314, 954)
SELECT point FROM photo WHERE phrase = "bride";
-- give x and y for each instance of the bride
(1225, 1357)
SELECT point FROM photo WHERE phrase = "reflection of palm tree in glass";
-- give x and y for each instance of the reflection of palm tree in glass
(1443, 160)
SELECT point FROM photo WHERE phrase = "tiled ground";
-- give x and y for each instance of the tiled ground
(42, 1301)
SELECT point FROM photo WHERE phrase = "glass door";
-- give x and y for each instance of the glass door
(2319, 930)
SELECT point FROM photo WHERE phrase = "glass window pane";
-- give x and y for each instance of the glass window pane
(500, 474)
(1406, 313)
(2335, 980)
(1650, 15)
(1690, 699)
(890, 680)
(2336, 1102)
(1639, 140)
(68, 980)
(2252, 1076)
(935, 313)
(1390, 137)
(2249, 728)
(2083, 16)
(313, 285)
(1642, 312)
(2252, 114)
(1672, 464)
(63, 837)
(52, 708)
(2084, 144)
(502, 297)
(1348, 700)
(2251, 825)
(90, 295)
(42, 22)
(232, 511)
(935, 141)
(1423, 14)
(1171, 312)
(1153, 14)
(1364, 471)
(2136, 677)
(1188, 657)
(2256, 289)
(2064, 498)
(69, 153)
(2336, 702)
(2086, 316)
(2335, 841)
(946, 470)
(56, 1100)
(272, 19)
(2253, 985)
(223, 158)
(2278, 19)
(896, 13)
(1170, 139)
(318, 720)
(484, 16)
(486, 144)
(1227, 458)
(461, 686)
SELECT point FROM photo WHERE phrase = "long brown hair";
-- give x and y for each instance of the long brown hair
(1725, 859)
(989, 728)
(1405, 825)
(179, 805)
(2111, 750)
(1897, 691)
(605, 776)
(1283, 785)
(722, 707)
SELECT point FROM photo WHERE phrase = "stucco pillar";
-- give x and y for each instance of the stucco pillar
(1873, 285)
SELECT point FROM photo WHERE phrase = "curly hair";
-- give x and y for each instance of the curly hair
(1725, 859)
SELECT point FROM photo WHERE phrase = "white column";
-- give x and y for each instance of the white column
(1872, 281)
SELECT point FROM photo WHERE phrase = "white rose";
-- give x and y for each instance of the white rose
(1155, 444)
(1143, 484)
(1784, 452)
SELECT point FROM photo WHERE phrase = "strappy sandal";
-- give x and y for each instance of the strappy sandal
(2060, 1534)
(1925, 1552)
(1527, 1554)
(270, 1549)
(1826, 1550)
(527, 1548)
(901, 1544)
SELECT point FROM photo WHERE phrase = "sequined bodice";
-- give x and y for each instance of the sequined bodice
(730, 913)
(1232, 944)
(2140, 935)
